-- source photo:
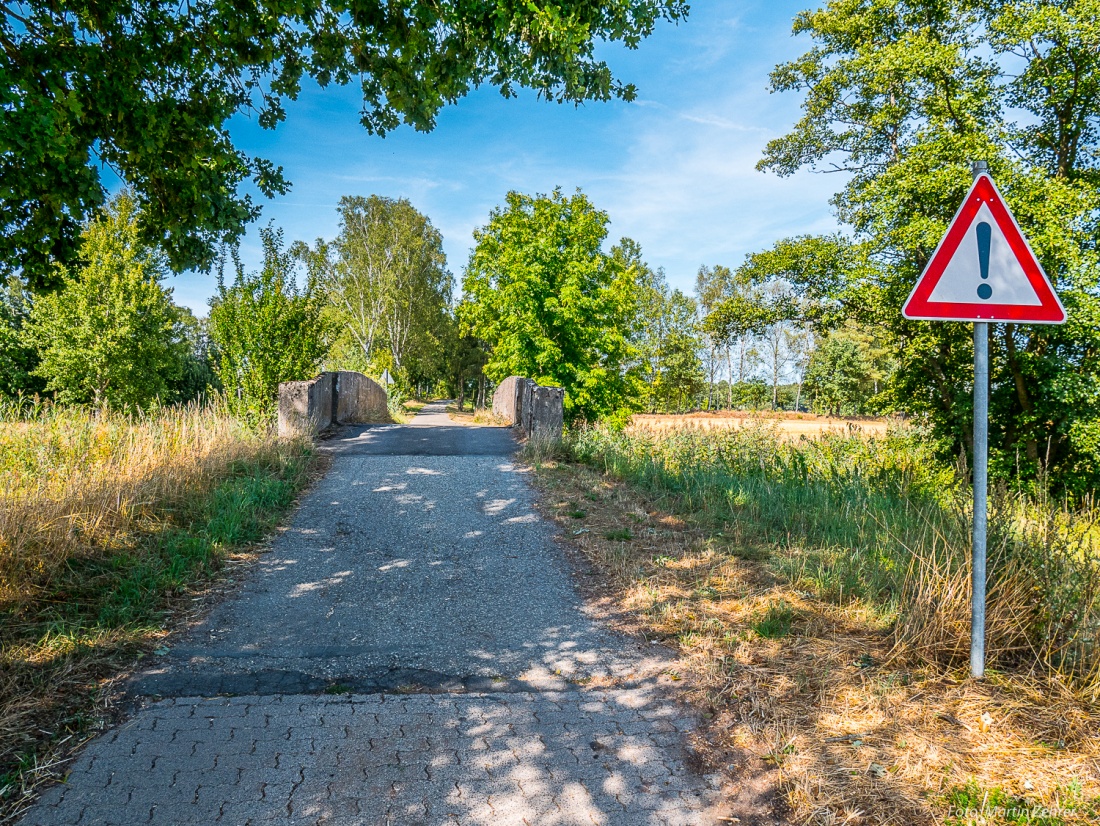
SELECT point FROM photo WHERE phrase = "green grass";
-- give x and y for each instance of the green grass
(127, 591)
(776, 622)
(881, 522)
(972, 805)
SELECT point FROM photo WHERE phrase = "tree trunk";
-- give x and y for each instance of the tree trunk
(712, 394)
(729, 371)
(775, 377)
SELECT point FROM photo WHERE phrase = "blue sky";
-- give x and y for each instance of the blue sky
(675, 169)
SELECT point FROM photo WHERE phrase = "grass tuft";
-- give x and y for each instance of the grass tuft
(775, 622)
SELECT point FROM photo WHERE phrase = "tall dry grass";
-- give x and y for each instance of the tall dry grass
(74, 484)
(818, 596)
(106, 520)
(879, 520)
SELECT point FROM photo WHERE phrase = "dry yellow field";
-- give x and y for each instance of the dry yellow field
(790, 425)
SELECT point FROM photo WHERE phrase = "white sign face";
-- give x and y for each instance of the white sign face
(963, 277)
(984, 270)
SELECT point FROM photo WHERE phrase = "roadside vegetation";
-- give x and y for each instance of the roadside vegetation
(111, 527)
(817, 589)
(818, 593)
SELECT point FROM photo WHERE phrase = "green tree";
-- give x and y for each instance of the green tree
(388, 286)
(680, 379)
(110, 335)
(17, 358)
(835, 378)
(846, 372)
(800, 347)
(652, 294)
(668, 338)
(267, 330)
(466, 358)
(756, 314)
(903, 96)
(198, 377)
(147, 89)
(713, 285)
(551, 305)
(752, 394)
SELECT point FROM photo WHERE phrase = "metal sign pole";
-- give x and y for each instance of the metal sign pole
(981, 485)
(1010, 286)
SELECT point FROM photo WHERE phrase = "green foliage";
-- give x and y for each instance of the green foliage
(749, 321)
(388, 289)
(395, 400)
(267, 330)
(148, 88)
(904, 95)
(110, 335)
(846, 372)
(760, 315)
(197, 378)
(836, 378)
(775, 622)
(970, 805)
(668, 338)
(465, 362)
(679, 380)
(551, 305)
(743, 314)
(17, 359)
(749, 395)
(129, 587)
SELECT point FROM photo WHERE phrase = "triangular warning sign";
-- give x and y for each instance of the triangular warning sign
(983, 269)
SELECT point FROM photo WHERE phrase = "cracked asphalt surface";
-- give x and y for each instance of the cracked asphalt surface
(410, 651)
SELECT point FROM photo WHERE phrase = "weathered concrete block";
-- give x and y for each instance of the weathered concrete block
(359, 399)
(544, 411)
(306, 406)
(537, 411)
(507, 399)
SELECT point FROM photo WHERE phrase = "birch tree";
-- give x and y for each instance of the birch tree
(386, 279)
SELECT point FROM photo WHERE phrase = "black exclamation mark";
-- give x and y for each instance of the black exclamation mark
(985, 232)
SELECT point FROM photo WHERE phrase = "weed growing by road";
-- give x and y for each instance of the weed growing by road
(880, 522)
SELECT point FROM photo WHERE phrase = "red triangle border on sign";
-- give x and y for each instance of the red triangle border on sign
(918, 307)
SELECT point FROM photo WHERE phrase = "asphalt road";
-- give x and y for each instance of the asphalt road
(412, 649)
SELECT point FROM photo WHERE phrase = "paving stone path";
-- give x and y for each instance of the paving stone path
(410, 651)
